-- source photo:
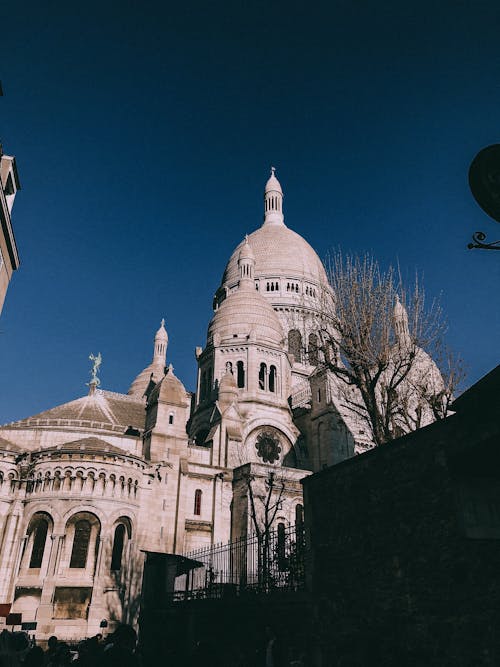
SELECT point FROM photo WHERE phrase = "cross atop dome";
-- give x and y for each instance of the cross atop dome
(273, 201)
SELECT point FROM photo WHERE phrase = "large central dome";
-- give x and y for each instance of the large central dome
(279, 252)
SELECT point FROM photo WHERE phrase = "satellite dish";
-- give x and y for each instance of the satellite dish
(484, 180)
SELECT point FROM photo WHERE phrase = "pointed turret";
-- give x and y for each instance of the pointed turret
(153, 373)
(246, 264)
(273, 201)
(400, 320)
(161, 342)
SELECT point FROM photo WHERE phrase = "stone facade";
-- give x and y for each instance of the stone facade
(86, 487)
(405, 544)
(9, 258)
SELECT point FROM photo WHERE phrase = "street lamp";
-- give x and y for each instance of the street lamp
(484, 182)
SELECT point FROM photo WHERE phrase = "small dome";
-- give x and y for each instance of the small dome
(227, 383)
(244, 312)
(161, 334)
(169, 390)
(228, 392)
(273, 185)
(399, 309)
(246, 251)
(151, 373)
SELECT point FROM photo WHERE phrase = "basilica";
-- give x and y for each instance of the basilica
(88, 486)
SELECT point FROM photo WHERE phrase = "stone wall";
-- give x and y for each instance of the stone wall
(405, 549)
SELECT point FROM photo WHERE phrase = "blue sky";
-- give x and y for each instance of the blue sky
(144, 133)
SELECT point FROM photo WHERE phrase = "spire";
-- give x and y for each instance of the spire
(400, 320)
(246, 263)
(273, 201)
(160, 348)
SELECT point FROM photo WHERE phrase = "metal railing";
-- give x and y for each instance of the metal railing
(256, 564)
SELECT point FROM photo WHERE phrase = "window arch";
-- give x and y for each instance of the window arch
(81, 541)
(299, 517)
(281, 547)
(117, 553)
(203, 385)
(197, 502)
(295, 344)
(263, 377)
(272, 379)
(240, 374)
(40, 530)
(313, 349)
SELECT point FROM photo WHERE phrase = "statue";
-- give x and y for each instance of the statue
(95, 369)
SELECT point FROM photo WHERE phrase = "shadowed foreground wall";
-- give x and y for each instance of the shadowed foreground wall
(405, 544)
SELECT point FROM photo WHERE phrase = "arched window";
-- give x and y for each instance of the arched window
(197, 502)
(263, 376)
(171, 418)
(281, 547)
(240, 374)
(272, 379)
(295, 344)
(116, 556)
(81, 541)
(299, 517)
(39, 540)
(313, 349)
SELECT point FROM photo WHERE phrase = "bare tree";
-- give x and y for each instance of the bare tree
(379, 343)
(269, 494)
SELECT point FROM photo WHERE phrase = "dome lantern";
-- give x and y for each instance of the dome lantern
(273, 201)
(148, 377)
(160, 348)
(400, 319)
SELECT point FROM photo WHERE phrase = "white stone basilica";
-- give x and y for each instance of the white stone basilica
(87, 486)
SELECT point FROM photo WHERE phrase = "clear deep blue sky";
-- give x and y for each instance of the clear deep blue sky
(144, 133)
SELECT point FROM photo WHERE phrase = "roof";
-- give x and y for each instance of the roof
(169, 390)
(88, 445)
(103, 410)
(482, 398)
(141, 384)
(7, 446)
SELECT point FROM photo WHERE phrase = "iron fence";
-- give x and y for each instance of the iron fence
(270, 561)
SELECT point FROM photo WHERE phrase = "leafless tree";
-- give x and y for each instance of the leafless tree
(268, 493)
(124, 591)
(380, 342)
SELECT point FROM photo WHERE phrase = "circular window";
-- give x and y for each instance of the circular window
(268, 447)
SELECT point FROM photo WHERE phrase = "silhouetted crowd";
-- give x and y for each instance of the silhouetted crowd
(117, 650)
(120, 649)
